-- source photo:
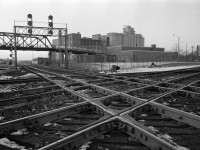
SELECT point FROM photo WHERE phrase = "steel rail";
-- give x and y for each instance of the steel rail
(45, 117)
(29, 98)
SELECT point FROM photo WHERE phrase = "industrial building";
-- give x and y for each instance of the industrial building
(91, 43)
(146, 54)
(127, 38)
(74, 40)
(128, 46)
(40, 61)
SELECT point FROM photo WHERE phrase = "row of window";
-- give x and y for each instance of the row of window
(84, 42)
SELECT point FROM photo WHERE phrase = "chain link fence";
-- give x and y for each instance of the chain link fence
(104, 63)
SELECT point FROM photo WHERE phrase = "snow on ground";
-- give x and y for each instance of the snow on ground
(6, 142)
(169, 139)
(146, 69)
(29, 75)
(20, 132)
(3, 77)
(85, 146)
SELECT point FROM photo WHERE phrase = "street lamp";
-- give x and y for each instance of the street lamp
(178, 46)
(185, 49)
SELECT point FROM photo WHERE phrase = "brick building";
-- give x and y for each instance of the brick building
(91, 43)
(127, 38)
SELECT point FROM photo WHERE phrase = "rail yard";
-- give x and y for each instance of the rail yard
(47, 108)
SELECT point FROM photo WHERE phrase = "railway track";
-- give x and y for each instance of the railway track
(72, 109)
(177, 133)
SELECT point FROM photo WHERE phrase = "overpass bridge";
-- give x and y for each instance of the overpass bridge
(27, 42)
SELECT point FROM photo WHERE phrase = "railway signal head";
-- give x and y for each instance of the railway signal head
(50, 32)
(50, 17)
(30, 23)
(30, 31)
(50, 23)
(29, 20)
(29, 16)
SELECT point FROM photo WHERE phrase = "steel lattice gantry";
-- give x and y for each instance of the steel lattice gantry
(40, 30)
(25, 42)
(35, 42)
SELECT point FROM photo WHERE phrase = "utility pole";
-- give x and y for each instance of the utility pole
(185, 49)
(60, 43)
(178, 46)
(198, 52)
(178, 49)
(192, 54)
(66, 50)
(15, 46)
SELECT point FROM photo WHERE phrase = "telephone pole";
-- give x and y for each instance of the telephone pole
(178, 46)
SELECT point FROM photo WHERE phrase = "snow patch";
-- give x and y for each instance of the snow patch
(67, 119)
(1, 118)
(181, 148)
(47, 124)
(142, 121)
(29, 75)
(165, 103)
(133, 70)
(166, 137)
(153, 129)
(143, 115)
(169, 139)
(6, 142)
(20, 132)
(51, 124)
(85, 146)
(3, 77)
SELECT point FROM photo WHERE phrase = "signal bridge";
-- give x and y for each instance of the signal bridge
(27, 42)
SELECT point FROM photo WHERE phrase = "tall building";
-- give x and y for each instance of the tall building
(74, 40)
(128, 30)
(115, 38)
(127, 38)
(96, 36)
(91, 43)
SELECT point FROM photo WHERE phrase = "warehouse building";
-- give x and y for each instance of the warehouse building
(146, 54)
(40, 61)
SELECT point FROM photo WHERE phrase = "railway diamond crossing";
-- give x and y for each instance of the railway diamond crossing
(47, 108)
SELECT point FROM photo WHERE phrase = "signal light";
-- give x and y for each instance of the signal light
(50, 21)
(29, 20)
(30, 31)
(29, 16)
(51, 24)
(30, 23)
(11, 55)
(50, 32)
(50, 17)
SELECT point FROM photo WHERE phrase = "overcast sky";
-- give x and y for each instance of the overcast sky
(156, 20)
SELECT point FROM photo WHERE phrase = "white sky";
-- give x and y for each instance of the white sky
(156, 20)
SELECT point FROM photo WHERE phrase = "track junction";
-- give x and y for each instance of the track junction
(46, 108)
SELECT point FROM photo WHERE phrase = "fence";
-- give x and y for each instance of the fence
(105, 63)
